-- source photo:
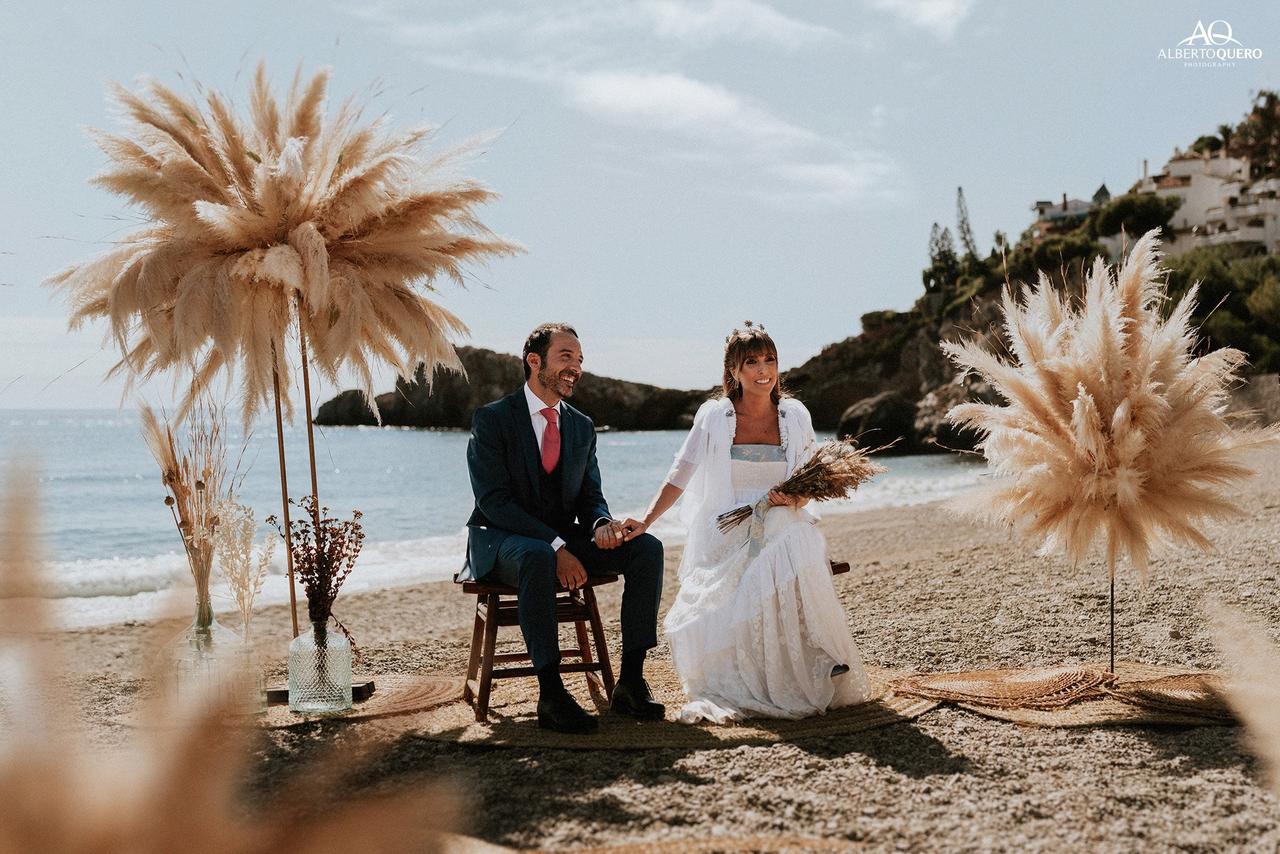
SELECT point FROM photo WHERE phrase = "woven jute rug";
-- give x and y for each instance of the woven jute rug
(1081, 695)
(1200, 694)
(397, 695)
(1040, 688)
(513, 719)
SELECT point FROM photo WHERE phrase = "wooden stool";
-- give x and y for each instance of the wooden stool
(496, 606)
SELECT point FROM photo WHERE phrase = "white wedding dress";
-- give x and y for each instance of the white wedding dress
(757, 627)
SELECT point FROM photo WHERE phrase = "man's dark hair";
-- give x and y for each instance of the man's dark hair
(539, 341)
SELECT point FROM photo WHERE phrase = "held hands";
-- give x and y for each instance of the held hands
(633, 528)
(569, 570)
(609, 535)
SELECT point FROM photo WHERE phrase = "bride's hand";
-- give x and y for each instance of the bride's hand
(633, 528)
(778, 499)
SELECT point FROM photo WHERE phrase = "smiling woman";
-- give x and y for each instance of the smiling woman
(756, 629)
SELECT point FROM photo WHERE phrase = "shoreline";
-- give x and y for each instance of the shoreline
(102, 591)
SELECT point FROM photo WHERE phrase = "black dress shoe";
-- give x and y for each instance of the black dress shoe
(560, 712)
(634, 699)
(839, 670)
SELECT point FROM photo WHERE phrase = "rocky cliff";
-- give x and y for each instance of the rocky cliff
(892, 383)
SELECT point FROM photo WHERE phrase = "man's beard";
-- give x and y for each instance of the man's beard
(554, 381)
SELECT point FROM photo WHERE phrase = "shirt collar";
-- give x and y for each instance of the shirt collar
(535, 403)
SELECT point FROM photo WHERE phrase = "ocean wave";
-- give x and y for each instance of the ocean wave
(412, 561)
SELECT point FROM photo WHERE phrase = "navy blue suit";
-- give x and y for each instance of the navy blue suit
(520, 510)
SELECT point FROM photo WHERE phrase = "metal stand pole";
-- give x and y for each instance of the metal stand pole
(1113, 619)
(306, 391)
(284, 490)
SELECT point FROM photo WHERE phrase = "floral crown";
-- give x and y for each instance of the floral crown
(749, 327)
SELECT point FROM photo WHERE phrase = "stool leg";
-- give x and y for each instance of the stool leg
(602, 646)
(473, 663)
(486, 657)
(594, 685)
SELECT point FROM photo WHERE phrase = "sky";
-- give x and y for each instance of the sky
(673, 167)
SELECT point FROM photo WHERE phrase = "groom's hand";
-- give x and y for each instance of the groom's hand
(608, 535)
(569, 570)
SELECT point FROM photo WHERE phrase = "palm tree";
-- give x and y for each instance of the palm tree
(1225, 133)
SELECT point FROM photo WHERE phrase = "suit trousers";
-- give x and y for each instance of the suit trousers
(529, 565)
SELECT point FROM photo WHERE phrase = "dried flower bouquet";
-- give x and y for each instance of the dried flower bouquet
(835, 470)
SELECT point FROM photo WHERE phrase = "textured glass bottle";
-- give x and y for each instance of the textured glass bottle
(319, 671)
(207, 659)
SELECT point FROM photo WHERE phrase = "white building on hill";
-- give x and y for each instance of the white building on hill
(1219, 202)
(1219, 205)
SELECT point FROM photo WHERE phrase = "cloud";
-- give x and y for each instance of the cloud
(729, 20)
(939, 17)
(839, 181)
(691, 24)
(677, 103)
(612, 61)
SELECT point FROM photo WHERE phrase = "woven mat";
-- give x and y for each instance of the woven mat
(513, 720)
(397, 694)
(1200, 694)
(1040, 688)
(1141, 694)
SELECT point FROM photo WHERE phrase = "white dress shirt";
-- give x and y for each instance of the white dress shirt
(536, 405)
(535, 414)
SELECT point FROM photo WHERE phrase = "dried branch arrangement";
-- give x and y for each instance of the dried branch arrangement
(325, 550)
(193, 474)
(244, 570)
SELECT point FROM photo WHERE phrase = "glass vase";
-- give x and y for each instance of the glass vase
(253, 682)
(207, 660)
(319, 671)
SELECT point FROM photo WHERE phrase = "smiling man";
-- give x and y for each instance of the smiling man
(541, 524)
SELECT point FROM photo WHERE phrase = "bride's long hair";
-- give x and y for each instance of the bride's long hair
(742, 344)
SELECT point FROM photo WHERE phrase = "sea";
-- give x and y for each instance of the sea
(113, 554)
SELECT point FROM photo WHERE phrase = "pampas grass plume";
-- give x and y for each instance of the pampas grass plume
(1113, 430)
(286, 216)
(1253, 685)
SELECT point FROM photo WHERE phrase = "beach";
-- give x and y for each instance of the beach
(928, 591)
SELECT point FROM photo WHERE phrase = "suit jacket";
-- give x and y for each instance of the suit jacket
(505, 463)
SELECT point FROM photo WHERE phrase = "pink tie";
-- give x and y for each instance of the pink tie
(550, 441)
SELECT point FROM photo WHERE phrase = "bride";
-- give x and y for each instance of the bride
(756, 629)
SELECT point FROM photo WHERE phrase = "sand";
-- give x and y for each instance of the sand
(928, 591)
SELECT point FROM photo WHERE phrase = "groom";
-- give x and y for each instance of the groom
(541, 524)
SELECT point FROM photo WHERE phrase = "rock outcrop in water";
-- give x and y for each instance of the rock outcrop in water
(451, 398)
